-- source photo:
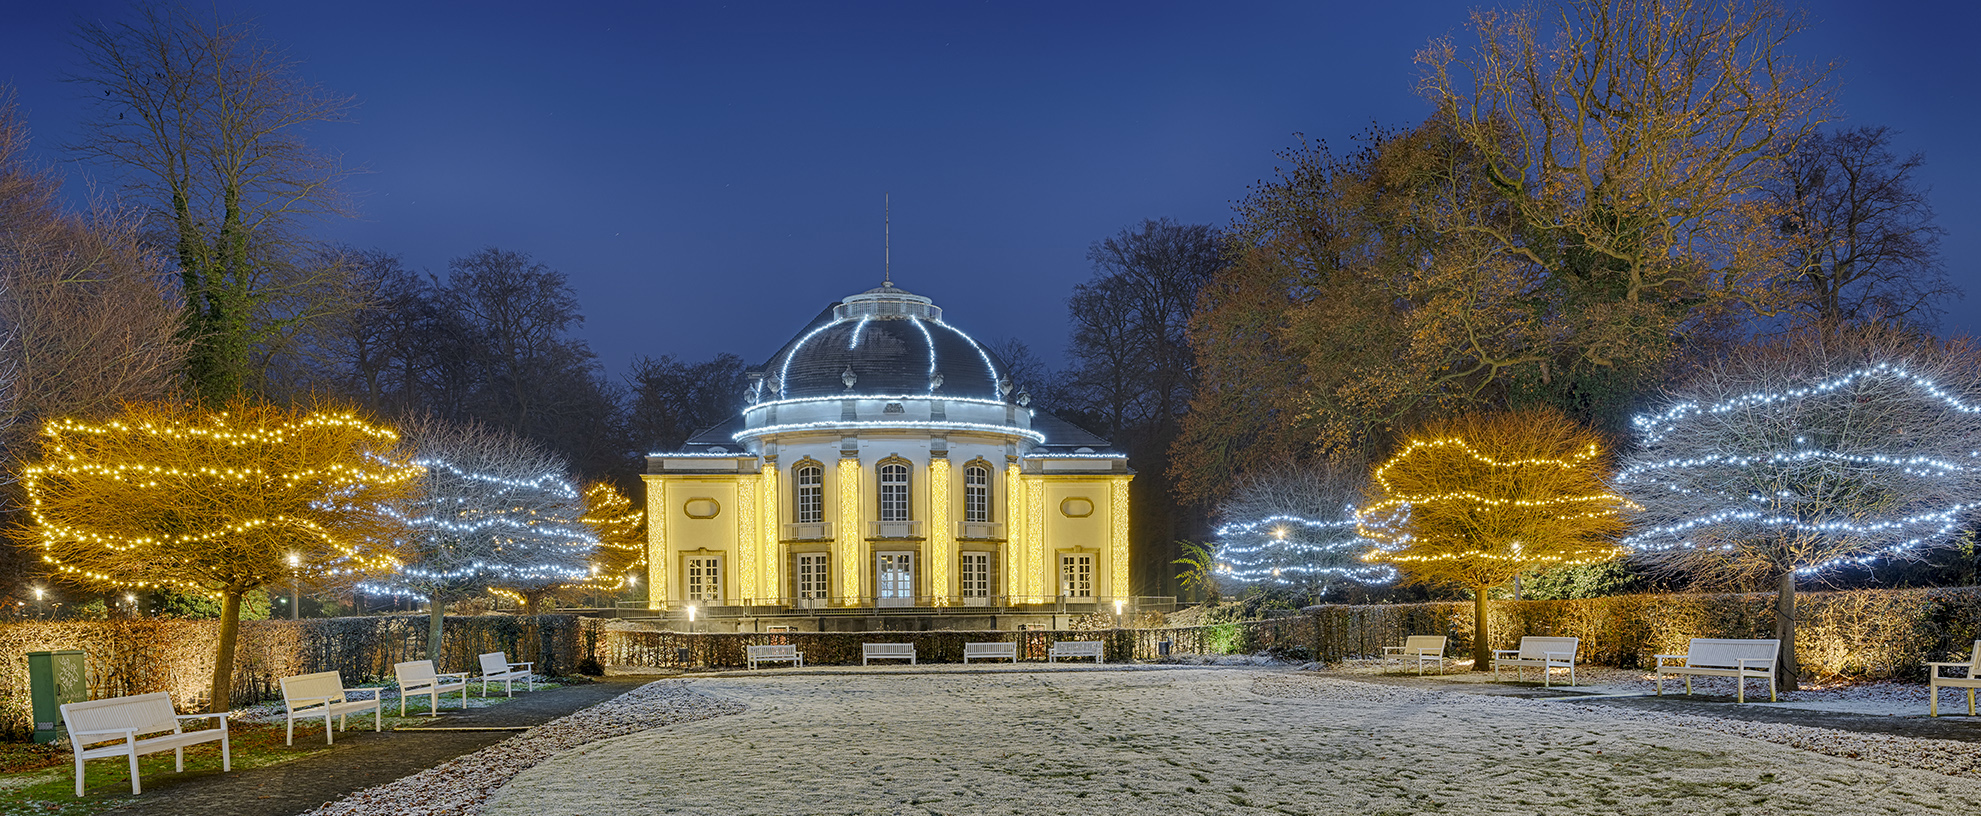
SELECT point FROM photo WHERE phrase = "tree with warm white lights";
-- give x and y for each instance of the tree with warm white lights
(621, 530)
(1475, 500)
(214, 502)
(1294, 528)
(493, 511)
(1825, 449)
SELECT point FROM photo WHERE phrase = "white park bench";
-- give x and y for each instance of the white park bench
(120, 722)
(496, 666)
(323, 695)
(418, 677)
(994, 650)
(1075, 649)
(1971, 681)
(1545, 653)
(773, 654)
(1740, 659)
(887, 651)
(1421, 648)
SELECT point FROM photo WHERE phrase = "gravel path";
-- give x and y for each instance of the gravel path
(460, 786)
(1191, 741)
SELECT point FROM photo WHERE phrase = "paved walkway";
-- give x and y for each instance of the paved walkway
(360, 759)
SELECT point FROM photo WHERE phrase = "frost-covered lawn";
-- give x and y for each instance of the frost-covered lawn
(1210, 740)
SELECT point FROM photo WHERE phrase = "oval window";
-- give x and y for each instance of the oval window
(1076, 507)
(701, 508)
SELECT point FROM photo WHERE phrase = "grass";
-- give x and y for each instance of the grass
(39, 779)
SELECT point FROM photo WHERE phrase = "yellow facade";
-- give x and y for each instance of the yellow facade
(740, 519)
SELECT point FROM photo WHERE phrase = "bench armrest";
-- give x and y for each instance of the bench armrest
(1498, 652)
(457, 675)
(295, 701)
(1761, 661)
(124, 731)
(1958, 663)
(222, 715)
(1392, 649)
(530, 665)
(1551, 655)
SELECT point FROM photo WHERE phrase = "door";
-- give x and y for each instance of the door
(894, 579)
(1076, 577)
(975, 580)
(811, 580)
(704, 584)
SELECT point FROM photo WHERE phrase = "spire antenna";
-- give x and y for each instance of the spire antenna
(887, 240)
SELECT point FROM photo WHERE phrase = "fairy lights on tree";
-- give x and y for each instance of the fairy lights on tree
(1295, 529)
(1478, 499)
(215, 502)
(1826, 449)
(492, 511)
(621, 530)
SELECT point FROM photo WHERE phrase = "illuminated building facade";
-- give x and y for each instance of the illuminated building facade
(885, 461)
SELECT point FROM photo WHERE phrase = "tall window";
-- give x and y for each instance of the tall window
(810, 483)
(1076, 576)
(976, 493)
(704, 578)
(894, 492)
(975, 581)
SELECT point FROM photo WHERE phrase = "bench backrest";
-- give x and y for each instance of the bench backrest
(1078, 647)
(414, 672)
(773, 651)
(145, 712)
(495, 663)
(1726, 653)
(314, 686)
(1974, 660)
(887, 648)
(1537, 648)
(991, 647)
(1424, 644)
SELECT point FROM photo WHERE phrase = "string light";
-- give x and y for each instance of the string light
(1846, 470)
(913, 425)
(1284, 549)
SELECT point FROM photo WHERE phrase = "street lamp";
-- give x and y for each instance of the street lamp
(40, 610)
(691, 618)
(1118, 603)
(295, 587)
(131, 600)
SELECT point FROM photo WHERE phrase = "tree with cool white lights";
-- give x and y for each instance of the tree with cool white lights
(1294, 528)
(215, 502)
(493, 511)
(1794, 456)
(1477, 499)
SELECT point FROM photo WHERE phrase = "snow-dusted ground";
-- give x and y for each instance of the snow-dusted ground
(1218, 740)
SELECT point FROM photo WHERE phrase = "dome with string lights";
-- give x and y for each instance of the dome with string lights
(882, 342)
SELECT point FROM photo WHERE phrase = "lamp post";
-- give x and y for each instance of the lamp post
(295, 587)
(691, 618)
(1118, 603)
(131, 600)
(40, 608)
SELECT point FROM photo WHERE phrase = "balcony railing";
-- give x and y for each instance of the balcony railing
(894, 529)
(980, 530)
(808, 531)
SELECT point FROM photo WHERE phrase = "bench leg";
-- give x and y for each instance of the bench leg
(79, 774)
(329, 736)
(1658, 682)
(226, 750)
(377, 718)
(1688, 685)
(179, 760)
(1771, 686)
(135, 787)
(1740, 690)
(1970, 702)
(292, 732)
(1933, 697)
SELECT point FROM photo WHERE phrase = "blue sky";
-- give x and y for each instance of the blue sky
(710, 175)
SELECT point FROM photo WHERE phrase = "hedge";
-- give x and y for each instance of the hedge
(136, 656)
(1863, 634)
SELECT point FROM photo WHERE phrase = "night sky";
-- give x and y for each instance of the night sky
(711, 175)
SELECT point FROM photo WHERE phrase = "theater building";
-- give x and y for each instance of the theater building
(885, 462)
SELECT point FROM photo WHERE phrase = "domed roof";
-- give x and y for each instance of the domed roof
(882, 342)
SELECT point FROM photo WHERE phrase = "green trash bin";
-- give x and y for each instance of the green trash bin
(55, 678)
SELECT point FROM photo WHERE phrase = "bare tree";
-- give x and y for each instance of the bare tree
(493, 511)
(1864, 243)
(203, 121)
(1295, 527)
(1800, 454)
(673, 399)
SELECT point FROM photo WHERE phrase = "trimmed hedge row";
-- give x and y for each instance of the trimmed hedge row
(137, 656)
(1864, 634)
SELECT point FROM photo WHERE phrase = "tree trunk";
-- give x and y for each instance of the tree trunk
(223, 662)
(532, 603)
(1786, 669)
(1482, 647)
(436, 615)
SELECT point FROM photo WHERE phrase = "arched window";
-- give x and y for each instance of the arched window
(894, 492)
(976, 493)
(808, 479)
